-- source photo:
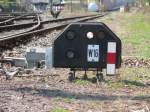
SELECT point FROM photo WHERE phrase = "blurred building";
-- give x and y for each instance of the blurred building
(42, 5)
(34, 5)
(39, 5)
(26, 4)
(110, 4)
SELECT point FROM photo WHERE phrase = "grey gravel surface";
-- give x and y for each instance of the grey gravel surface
(37, 41)
(44, 94)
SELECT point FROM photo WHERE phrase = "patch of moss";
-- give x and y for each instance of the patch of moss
(60, 110)
(82, 82)
(66, 100)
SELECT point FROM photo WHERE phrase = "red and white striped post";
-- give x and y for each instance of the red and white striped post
(111, 58)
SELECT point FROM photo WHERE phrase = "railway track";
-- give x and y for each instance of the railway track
(24, 25)
(55, 27)
(11, 19)
(4, 18)
(25, 31)
(27, 25)
(16, 13)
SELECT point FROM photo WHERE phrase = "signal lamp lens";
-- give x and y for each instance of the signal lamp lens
(90, 35)
(70, 35)
(70, 54)
(101, 35)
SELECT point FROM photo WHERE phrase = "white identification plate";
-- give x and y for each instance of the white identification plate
(93, 53)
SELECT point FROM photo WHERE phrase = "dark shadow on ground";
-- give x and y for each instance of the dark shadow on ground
(129, 83)
(125, 82)
(66, 94)
(134, 83)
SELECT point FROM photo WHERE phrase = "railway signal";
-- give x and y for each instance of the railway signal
(87, 46)
(56, 8)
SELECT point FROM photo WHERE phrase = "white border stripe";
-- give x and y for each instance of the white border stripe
(111, 47)
(110, 69)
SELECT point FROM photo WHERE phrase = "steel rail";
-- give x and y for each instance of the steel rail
(10, 17)
(42, 22)
(4, 18)
(58, 20)
(17, 13)
(30, 29)
(11, 20)
(22, 18)
(60, 26)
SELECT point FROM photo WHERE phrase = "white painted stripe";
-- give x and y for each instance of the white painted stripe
(111, 47)
(111, 69)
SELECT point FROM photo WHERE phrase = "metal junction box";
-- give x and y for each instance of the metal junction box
(36, 56)
(87, 45)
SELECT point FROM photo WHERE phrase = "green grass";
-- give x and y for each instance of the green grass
(130, 77)
(135, 74)
(60, 110)
(114, 84)
(82, 82)
(134, 31)
(123, 83)
(138, 33)
(65, 100)
(108, 19)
